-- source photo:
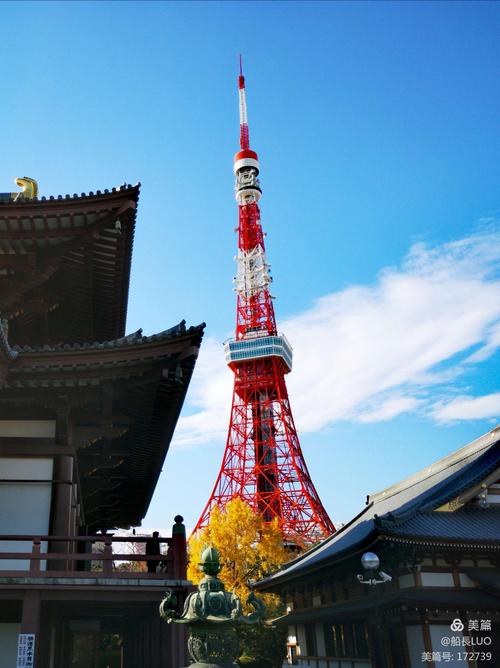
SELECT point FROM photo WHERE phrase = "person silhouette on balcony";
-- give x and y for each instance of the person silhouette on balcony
(153, 550)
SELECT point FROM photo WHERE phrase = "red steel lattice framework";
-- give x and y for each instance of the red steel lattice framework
(263, 462)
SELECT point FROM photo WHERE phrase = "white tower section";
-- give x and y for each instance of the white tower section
(253, 272)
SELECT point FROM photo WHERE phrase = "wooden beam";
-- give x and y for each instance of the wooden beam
(92, 416)
(71, 381)
(30, 447)
(63, 421)
(89, 232)
(96, 486)
(23, 262)
(13, 293)
(86, 436)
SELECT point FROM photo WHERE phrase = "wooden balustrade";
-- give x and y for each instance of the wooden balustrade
(104, 561)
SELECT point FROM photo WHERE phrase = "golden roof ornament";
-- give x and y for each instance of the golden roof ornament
(29, 190)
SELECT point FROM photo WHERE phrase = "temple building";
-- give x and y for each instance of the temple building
(87, 414)
(437, 539)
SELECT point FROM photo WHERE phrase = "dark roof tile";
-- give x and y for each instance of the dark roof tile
(74, 196)
(130, 339)
(465, 524)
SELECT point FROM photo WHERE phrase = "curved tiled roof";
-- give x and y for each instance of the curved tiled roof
(66, 265)
(465, 524)
(120, 449)
(87, 363)
(133, 338)
(400, 505)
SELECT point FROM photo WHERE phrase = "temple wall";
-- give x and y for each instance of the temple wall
(440, 579)
(8, 644)
(320, 640)
(24, 505)
(415, 641)
(28, 428)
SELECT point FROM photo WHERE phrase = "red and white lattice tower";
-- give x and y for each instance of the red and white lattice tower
(263, 463)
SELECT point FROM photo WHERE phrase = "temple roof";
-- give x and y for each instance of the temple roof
(123, 396)
(65, 266)
(464, 525)
(419, 507)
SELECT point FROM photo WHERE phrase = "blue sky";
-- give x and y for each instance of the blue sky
(378, 132)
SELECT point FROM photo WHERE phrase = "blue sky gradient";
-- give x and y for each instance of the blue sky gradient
(377, 128)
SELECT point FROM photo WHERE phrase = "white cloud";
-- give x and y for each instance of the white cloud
(469, 408)
(210, 396)
(369, 353)
(492, 343)
(389, 409)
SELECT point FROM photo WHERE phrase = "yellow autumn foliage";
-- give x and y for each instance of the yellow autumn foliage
(249, 549)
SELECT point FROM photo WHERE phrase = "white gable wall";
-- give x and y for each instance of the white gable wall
(24, 505)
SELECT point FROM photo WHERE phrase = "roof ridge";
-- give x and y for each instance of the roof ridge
(124, 187)
(132, 339)
(467, 451)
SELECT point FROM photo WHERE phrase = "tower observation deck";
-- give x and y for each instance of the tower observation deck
(263, 462)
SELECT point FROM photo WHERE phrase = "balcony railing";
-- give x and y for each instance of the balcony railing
(58, 556)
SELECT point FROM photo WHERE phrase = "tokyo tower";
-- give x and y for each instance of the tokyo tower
(263, 462)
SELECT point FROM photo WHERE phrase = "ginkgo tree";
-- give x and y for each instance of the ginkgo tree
(249, 549)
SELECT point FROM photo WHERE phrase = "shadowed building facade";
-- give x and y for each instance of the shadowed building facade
(86, 418)
(437, 534)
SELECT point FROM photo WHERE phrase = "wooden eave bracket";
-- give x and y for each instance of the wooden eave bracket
(38, 271)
